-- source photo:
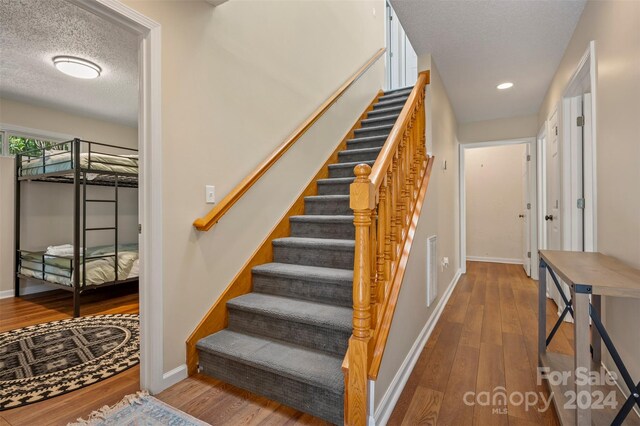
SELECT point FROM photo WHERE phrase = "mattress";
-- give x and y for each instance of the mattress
(99, 270)
(56, 162)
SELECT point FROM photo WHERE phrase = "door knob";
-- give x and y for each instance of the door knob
(520, 215)
(548, 217)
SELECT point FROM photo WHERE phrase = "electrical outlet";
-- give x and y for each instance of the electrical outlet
(210, 194)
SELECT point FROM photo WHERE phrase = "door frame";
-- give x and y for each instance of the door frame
(541, 181)
(570, 158)
(533, 218)
(150, 187)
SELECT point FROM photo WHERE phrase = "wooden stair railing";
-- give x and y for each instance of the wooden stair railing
(386, 201)
(206, 222)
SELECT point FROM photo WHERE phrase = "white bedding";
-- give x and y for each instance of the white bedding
(62, 161)
(98, 271)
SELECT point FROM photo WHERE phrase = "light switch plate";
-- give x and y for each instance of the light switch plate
(210, 194)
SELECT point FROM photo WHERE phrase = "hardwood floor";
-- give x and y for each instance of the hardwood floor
(56, 305)
(210, 400)
(486, 338)
(218, 403)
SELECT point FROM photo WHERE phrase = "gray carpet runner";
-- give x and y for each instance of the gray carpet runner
(287, 338)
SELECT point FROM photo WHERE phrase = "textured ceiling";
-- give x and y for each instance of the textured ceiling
(32, 32)
(478, 44)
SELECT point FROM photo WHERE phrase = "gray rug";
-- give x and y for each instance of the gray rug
(51, 359)
(139, 409)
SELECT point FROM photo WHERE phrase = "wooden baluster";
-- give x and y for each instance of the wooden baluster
(398, 206)
(404, 214)
(395, 206)
(362, 201)
(388, 229)
(380, 275)
(373, 244)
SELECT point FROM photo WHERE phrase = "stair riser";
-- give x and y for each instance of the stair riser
(333, 188)
(378, 143)
(314, 256)
(390, 120)
(310, 399)
(402, 94)
(372, 131)
(382, 112)
(314, 337)
(327, 207)
(339, 294)
(341, 172)
(340, 231)
(350, 156)
(390, 104)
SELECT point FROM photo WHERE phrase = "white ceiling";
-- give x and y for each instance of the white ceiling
(32, 32)
(478, 44)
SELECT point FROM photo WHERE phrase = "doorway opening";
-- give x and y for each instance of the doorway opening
(567, 145)
(498, 207)
(401, 59)
(75, 112)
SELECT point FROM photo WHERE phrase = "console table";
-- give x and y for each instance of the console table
(589, 276)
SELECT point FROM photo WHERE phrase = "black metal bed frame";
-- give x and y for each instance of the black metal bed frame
(77, 175)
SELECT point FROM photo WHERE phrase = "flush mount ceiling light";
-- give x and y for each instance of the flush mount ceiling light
(77, 67)
(505, 85)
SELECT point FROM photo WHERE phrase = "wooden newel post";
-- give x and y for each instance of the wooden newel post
(362, 201)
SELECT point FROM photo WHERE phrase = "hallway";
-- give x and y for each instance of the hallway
(485, 339)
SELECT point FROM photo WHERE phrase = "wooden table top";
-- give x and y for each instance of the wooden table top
(606, 275)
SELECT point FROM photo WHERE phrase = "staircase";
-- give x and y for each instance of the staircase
(286, 340)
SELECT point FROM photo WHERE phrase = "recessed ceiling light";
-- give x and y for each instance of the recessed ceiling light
(76, 67)
(505, 85)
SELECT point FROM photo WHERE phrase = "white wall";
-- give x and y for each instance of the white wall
(494, 199)
(237, 79)
(47, 209)
(438, 217)
(614, 27)
(498, 129)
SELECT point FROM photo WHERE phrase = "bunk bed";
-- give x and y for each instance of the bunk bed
(76, 267)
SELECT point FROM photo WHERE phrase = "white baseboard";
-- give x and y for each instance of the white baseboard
(31, 288)
(495, 260)
(174, 376)
(392, 394)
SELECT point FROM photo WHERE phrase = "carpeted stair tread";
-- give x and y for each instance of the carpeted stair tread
(322, 243)
(391, 102)
(342, 170)
(407, 89)
(354, 151)
(327, 204)
(383, 127)
(397, 94)
(385, 111)
(329, 181)
(322, 218)
(295, 362)
(295, 310)
(380, 119)
(310, 273)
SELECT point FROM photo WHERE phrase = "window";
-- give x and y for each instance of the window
(13, 142)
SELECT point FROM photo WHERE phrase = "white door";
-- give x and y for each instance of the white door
(394, 54)
(552, 216)
(576, 143)
(525, 215)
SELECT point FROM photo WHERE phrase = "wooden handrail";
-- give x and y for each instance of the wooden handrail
(205, 223)
(386, 201)
(385, 157)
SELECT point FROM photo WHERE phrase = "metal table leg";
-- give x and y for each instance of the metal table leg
(582, 337)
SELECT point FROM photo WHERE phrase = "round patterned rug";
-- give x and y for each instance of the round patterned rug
(51, 359)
